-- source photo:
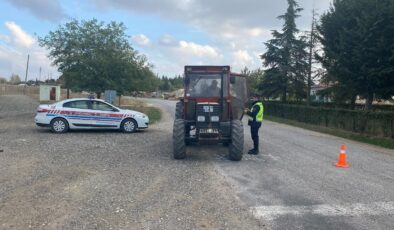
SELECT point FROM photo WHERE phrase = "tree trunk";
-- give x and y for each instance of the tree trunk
(368, 102)
(308, 95)
(310, 59)
(98, 95)
(284, 95)
(120, 96)
(68, 93)
(353, 102)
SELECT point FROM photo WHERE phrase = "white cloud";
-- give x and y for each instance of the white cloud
(192, 48)
(19, 37)
(13, 55)
(235, 30)
(5, 38)
(245, 58)
(242, 56)
(141, 40)
(49, 10)
(168, 40)
(169, 55)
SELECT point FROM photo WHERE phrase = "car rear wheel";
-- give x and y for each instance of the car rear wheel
(128, 126)
(59, 125)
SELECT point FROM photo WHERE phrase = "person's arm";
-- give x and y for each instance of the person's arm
(254, 112)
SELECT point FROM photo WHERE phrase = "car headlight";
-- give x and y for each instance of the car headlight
(201, 118)
(215, 118)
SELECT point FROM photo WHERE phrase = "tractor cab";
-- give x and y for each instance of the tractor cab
(211, 109)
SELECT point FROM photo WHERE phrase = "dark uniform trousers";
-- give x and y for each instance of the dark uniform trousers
(254, 131)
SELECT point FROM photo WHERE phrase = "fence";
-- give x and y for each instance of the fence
(379, 124)
(33, 91)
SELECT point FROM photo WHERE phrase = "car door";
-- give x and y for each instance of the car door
(106, 116)
(78, 113)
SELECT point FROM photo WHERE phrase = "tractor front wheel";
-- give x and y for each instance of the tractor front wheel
(179, 110)
(237, 141)
(178, 139)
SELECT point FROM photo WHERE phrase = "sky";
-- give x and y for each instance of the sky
(170, 33)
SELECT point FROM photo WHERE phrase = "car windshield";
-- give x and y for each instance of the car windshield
(204, 85)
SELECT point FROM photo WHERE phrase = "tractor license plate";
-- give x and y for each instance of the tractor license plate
(209, 131)
(208, 109)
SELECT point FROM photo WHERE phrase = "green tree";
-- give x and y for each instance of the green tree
(3, 80)
(285, 58)
(165, 84)
(176, 82)
(253, 80)
(144, 80)
(358, 44)
(15, 79)
(170, 84)
(94, 57)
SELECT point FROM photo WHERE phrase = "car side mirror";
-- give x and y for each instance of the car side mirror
(232, 80)
(115, 110)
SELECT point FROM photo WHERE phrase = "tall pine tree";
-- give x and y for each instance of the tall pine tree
(285, 59)
(358, 44)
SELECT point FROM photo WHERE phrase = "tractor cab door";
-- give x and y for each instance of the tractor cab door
(239, 95)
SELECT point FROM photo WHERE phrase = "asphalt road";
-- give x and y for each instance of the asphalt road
(293, 183)
(111, 180)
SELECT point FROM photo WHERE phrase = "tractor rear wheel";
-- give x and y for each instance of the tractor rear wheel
(237, 141)
(178, 139)
(179, 110)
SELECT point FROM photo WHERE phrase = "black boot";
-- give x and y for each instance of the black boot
(252, 151)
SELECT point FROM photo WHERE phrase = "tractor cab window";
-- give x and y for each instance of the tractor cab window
(238, 92)
(204, 85)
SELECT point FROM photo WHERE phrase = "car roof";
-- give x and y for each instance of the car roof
(79, 99)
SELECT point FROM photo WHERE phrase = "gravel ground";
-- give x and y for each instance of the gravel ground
(109, 180)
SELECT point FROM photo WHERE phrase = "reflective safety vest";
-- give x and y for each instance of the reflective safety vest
(260, 114)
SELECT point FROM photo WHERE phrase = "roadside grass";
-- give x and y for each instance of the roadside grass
(153, 113)
(382, 142)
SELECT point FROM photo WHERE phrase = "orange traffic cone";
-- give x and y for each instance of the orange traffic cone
(342, 158)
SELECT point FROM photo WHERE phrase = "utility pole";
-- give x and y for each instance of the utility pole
(311, 44)
(39, 76)
(27, 69)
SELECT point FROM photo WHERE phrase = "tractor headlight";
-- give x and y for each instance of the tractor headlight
(215, 118)
(201, 118)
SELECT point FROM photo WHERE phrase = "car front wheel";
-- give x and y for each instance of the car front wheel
(59, 125)
(128, 126)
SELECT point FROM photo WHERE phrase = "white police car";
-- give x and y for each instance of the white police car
(82, 113)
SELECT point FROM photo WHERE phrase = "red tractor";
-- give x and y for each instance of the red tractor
(211, 110)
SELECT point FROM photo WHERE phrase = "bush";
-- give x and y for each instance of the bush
(333, 105)
(378, 124)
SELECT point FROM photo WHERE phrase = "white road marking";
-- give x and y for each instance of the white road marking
(275, 158)
(356, 209)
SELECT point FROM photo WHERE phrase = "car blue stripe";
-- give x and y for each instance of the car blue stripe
(92, 117)
(88, 117)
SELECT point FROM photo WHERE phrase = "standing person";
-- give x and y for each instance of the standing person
(255, 115)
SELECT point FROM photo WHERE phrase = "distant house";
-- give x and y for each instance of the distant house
(315, 89)
(50, 93)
